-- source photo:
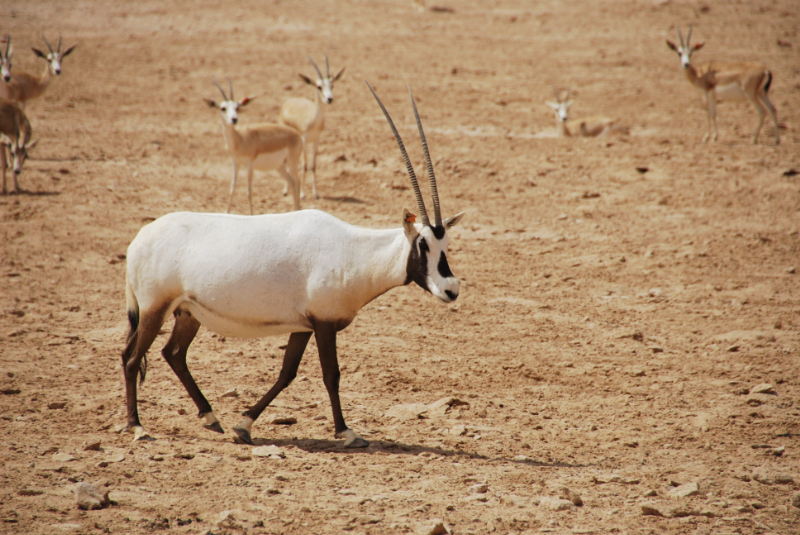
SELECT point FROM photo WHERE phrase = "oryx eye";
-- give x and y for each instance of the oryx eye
(423, 245)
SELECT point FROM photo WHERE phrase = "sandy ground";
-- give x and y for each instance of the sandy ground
(612, 326)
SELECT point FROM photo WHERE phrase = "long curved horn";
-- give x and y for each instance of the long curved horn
(437, 214)
(680, 36)
(555, 93)
(8, 44)
(315, 66)
(58, 49)
(47, 43)
(224, 96)
(689, 37)
(230, 85)
(569, 92)
(422, 212)
(327, 68)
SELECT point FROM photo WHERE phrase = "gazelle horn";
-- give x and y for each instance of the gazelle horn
(315, 66)
(327, 68)
(689, 37)
(230, 85)
(437, 214)
(58, 49)
(680, 36)
(420, 204)
(224, 96)
(47, 43)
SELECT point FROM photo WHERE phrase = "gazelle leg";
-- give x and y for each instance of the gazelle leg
(174, 353)
(761, 113)
(314, 167)
(250, 185)
(712, 116)
(292, 184)
(765, 100)
(291, 361)
(3, 165)
(233, 185)
(325, 334)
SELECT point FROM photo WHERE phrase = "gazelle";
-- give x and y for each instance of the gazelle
(308, 118)
(296, 273)
(265, 146)
(727, 81)
(16, 133)
(22, 86)
(587, 127)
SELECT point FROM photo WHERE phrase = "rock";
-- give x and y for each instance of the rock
(763, 388)
(281, 419)
(226, 519)
(89, 496)
(795, 500)
(668, 510)
(30, 492)
(273, 452)
(556, 504)
(93, 445)
(480, 488)
(408, 411)
(767, 476)
(435, 527)
(615, 478)
(115, 458)
(567, 494)
(244, 456)
(56, 404)
(652, 509)
(442, 406)
(232, 393)
(684, 491)
(10, 391)
(650, 494)
(458, 430)
(778, 452)
(63, 457)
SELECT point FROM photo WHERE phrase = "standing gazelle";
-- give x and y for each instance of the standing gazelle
(308, 118)
(727, 81)
(297, 273)
(16, 133)
(22, 86)
(586, 127)
(266, 147)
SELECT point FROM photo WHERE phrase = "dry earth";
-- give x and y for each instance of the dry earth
(612, 325)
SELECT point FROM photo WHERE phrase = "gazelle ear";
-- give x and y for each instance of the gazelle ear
(210, 102)
(245, 100)
(552, 105)
(569, 103)
(699, 45)
(408, 224)
(306, 79)
(451, 222)
(68, 51)
(31, 144)
(338, 75)
(39, 53)
(672, 45)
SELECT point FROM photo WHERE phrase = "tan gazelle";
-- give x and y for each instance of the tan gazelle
(22, 86)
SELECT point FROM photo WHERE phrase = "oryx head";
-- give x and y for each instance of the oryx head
(20, 145)
(228, 106)
(54, 58)
(5, 60)
(686, 49)
(561, 107)
(427, 260)
(324, 84)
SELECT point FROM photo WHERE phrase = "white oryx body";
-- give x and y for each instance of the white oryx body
(22, 86)
(727, 81)
(308, 118)
(595, 126)
(298, 273)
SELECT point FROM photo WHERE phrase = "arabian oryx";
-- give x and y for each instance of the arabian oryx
(296, 273)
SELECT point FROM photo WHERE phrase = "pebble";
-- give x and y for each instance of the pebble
(273, 452)
(281, 419)
(566, 493)
(94, 445)
(89, 496)
(684, 491)
(30, 492)
(232, 393)
(480, 488)
(767, 476)
(435, 527)
(57, 405)
(556, 504)
(795, 500)
(408, 411)
(63, 457)
(763, 388)
(458, 430)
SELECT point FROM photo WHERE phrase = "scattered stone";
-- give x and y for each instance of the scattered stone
(232, 393)
(408, 411)
(767, 476)
(89, 497)
(226, 519)
(442, 406)
(184, 455)
(272, 490)
(244, 456)
(684, 491)
(56, 404)
(733, 349)
(650, 493)
(631, 444)
(281, 419)
(480, 488)
(63, 457)
(273, 452)
(763, 388)
(795, 500)
(669, 510)
(791, 270)
(656, 349)
(115, 458)
(94, 445)
(566, 493)
(778, 452)
(281, 477)
(458, 430)
(30, 492)
(556, 504)
(435, 527)
(10, 391)
(614, 478)
(156, 457)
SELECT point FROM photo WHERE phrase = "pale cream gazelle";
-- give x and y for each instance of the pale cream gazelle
(22, 86)
(299, 273)
(586, 127)
(265, 146)
(727, 81)
(15, 136)
(308, 118)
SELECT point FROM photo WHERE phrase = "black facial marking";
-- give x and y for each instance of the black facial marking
(444, 268)
(417, 266)
(438, 232)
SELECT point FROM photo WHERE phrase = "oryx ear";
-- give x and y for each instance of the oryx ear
(210, 102)
(68, 51)
(699, 45)
(338, 75)
(672, 45)
(408, 224)
(552, 105)
(451, 222)
(246, 100)
(306, 79)
(39, 53)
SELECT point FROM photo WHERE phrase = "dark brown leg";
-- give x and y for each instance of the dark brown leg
(174, 353)
(325, 334)
(291, 362)
(141, 340)
(4, 165)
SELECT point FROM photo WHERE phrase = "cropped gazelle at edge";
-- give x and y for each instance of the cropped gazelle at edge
(297, 273)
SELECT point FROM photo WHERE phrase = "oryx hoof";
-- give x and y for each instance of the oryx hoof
(352, 439)
(243, 434)
(139, 434)
(214, 427)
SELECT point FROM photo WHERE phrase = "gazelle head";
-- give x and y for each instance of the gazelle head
(19, 146)
(55, 57)
(427, 262)
(324, 84)
(686, 49)
(561, 107)
(5, 60)
(228, 107)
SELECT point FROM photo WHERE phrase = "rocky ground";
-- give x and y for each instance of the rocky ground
(623, 357)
